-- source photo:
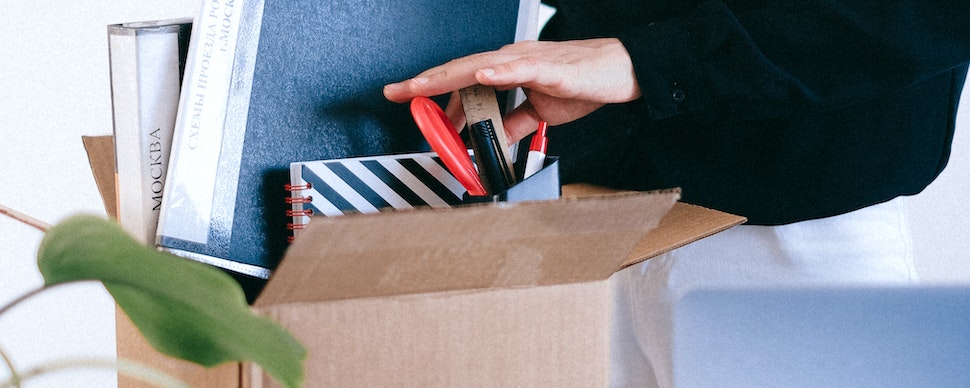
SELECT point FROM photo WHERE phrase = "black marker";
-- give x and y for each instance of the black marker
(492, 168)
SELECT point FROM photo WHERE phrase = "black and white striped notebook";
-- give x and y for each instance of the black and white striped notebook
(369, 185)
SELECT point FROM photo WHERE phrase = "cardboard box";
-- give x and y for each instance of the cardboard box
(484, 295)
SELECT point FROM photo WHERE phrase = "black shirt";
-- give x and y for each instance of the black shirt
(779, 111)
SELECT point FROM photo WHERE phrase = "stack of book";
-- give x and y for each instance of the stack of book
(208, 123)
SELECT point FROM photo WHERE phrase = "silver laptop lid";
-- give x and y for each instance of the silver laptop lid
(823, 337)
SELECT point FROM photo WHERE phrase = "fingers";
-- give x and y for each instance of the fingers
(563, 80)
(595, 70)
(422, 85)
(456, 74)
(531, 73)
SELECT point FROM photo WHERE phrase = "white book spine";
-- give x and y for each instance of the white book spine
(145, 63)
(199, 128)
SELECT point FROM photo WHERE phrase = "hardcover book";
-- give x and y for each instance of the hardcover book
(146, 63)
(269, 82)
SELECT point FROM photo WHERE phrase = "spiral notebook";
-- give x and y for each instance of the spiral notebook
(369, 185)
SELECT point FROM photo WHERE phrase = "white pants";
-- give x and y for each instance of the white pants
(868, 246)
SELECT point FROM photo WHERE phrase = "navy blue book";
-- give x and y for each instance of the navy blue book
(269, 82)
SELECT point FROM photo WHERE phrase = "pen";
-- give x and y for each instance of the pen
(492, 169)
(480, 104)
(537, 151)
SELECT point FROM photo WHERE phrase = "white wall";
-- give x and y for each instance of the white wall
(54, 88)
(940, 215)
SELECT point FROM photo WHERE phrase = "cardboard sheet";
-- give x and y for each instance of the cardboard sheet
(683, 224)
(475, 247)
(101, 156)
(552, 336)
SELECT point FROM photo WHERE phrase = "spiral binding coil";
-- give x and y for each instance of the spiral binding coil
(292, 200)
(290, 187)
(298, 211)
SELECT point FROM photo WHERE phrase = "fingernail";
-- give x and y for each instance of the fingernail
(395, 91)
(488, 72)
(420, 80)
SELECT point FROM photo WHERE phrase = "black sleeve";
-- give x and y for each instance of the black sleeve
(763, 59)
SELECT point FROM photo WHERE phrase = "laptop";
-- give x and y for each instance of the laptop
(823, 337)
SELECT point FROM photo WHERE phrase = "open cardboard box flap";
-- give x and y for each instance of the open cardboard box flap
(682, 225)
(500, 245)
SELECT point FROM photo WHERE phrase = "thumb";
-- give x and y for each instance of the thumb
(521, 122)
(455, 112)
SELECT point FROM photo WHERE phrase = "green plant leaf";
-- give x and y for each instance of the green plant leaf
(183, 308)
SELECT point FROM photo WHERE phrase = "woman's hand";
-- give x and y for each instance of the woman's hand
(563, 81)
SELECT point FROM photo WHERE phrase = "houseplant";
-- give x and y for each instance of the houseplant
(185, 309)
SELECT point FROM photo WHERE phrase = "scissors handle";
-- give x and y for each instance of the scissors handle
(444, 140)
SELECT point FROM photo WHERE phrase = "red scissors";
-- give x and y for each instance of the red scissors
(444, 140)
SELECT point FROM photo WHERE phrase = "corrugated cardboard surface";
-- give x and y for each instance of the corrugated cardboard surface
(551, 336)
(101, 157)
(430, 307)
(683, 224)
(133, 346)
(511, 294)
(491, 246)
